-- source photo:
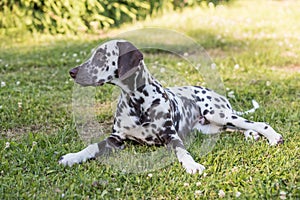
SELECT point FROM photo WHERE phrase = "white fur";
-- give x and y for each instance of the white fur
(81, 156)
(188, 162)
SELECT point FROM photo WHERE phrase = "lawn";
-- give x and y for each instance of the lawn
(256, 48)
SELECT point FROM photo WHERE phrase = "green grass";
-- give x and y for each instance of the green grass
(36, 110)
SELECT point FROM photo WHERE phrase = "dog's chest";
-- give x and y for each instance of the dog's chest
(141, 117)
(147, 132)
(185, 111)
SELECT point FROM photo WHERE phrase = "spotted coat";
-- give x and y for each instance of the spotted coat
(153, 115)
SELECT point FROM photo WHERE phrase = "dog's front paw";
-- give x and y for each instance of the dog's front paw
(193, 168)
(276, 139)
(70, 159)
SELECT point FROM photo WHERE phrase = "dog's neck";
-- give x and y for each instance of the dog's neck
(140, 78)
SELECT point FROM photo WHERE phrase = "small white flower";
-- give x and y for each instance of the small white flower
(213, 66)
(186, 184)
(77, 60)
(34, 143)
(0, 60)
(18, 83)
(19, 104)
(150, 175)
(235, 169)
(74, 54)
(236, 66)
(186, 54)
(231, 94)
(238, 194)
(64, 54)
(268, 83)
(282, 195)
(7, 145)
(6, 65)
(198, 193)
(162, 70)
(118, 189)
(179, 63)
(221, 193)
(3, 84)
(1, 107)
(198, 184)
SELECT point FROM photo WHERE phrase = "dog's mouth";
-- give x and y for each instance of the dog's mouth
(98, 83)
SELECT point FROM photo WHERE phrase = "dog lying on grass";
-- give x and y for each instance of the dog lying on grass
(153, 115)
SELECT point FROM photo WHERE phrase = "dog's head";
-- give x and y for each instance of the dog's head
(115, 59)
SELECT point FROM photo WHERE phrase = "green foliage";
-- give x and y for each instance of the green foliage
(65, 16)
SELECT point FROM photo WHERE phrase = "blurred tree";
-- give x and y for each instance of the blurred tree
(68, 16)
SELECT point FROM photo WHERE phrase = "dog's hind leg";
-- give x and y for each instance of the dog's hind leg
(228, 119)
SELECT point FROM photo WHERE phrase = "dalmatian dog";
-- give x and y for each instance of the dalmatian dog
(153, 115)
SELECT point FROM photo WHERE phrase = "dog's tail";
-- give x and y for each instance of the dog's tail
(252, 110)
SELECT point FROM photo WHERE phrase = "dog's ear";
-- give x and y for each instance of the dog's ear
(129, 59)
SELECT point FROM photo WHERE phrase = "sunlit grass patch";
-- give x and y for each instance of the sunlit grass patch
(255, 45)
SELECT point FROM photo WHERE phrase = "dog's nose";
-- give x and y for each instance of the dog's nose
(73, 72)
